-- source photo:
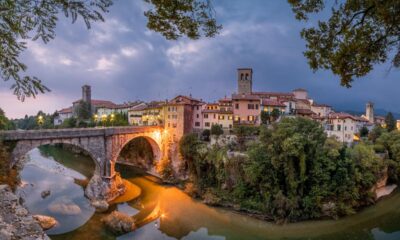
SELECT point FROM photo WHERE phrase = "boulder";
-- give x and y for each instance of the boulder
(119, 223)
(45, 222)
(64, 206)
(100, 205)
(45, 194)
(105, 189)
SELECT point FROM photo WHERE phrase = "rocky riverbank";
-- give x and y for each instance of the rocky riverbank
(15, 221)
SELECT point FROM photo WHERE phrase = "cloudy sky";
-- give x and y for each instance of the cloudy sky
(124, 61)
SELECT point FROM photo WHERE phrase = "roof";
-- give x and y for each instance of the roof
(225, 100)
(320, 105)
(181, 99)
(101, 103)
(65, 110)
(343, 115)
(306, 101)
(245, 97)
(210, 111)
(299, 90)
(278, 94)
(273, 103)
(304, 112)
(139, 107)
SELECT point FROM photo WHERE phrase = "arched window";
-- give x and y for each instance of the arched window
(247, 76)
(241, 76)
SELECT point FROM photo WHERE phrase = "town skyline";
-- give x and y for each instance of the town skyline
(121, 54)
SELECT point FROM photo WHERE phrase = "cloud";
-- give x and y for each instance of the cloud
(129, 52)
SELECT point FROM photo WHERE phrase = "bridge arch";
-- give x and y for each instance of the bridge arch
(23, 147)
(152, 138)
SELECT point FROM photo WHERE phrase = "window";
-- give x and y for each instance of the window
(221, 117)
(197, 115)
(250, 106)
(230, 117)
(241, 76)
(174, 125)
(215, 115)
(237, 105)
(205, 115)
(339, 127)
(237, 118)
(250, 118)
(197, 124)
(230, 126)
(247, 76)
(257, 106)
(197, 107)
(207, 124)
(345, 128)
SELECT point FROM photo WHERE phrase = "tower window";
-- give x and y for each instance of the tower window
(247, 76)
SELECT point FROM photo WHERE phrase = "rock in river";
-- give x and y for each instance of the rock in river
(119, 223)
(45, 222)
(64, 206)
(100, 205)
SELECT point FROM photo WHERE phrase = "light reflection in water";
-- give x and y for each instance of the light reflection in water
(165, 212)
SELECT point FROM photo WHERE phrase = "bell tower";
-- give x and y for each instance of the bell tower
(369, 112)
(245, 80)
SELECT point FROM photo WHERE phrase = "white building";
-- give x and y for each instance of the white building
(344, 127)
(62, 115)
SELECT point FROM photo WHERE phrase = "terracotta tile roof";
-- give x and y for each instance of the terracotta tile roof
(320, 105)
(273, 103)
(245, 97)
(181, 99)
(277, 94)
(343, 115)
(305, 112)
(225, 100)
(65, 110)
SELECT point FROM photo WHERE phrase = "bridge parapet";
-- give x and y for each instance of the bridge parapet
(71, 132)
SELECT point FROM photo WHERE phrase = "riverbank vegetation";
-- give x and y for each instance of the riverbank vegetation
(291, 171)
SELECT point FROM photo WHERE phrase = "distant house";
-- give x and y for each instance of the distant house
(61, 115)
(135, 114)
(344, 127)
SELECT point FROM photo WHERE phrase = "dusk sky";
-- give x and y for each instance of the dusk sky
(124, 61)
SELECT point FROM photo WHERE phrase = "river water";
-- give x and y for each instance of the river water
(165, 212)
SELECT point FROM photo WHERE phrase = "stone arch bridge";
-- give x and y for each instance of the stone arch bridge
(102, 144)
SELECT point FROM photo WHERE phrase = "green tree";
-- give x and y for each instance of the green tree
(356, 36)
(216, 130)
(23, 20)
(390, 122)
(5, 123)
(205, 135)
(83, 111)
(265, 117)
(275, 114)
(364, 132)
(375, 133)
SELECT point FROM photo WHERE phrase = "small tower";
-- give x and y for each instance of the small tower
(369, 112)
(87, 96)
(245, 80)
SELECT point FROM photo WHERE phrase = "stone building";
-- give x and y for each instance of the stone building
(245, 80)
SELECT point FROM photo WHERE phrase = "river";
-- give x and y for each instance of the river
(177, 215)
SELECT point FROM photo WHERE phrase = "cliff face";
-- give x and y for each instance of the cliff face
(15, 221)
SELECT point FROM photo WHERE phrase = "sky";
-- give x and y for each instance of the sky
(124, 61)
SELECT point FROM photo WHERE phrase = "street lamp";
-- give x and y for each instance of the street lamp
(112, 119)
(40, 121)
(104, 119)
(96, 118)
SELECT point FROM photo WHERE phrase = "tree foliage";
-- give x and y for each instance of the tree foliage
(292, 172)
(5, 123)
(390, 122)
(174, 19)
(24, 20)
(357, 35)
(217, 130)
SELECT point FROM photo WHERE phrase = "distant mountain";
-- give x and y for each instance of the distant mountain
(378, 112)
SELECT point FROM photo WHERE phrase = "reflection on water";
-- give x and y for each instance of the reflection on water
(165, 212)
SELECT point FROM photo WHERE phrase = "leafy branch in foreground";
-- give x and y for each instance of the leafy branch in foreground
(22, 20)
(357, 35)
